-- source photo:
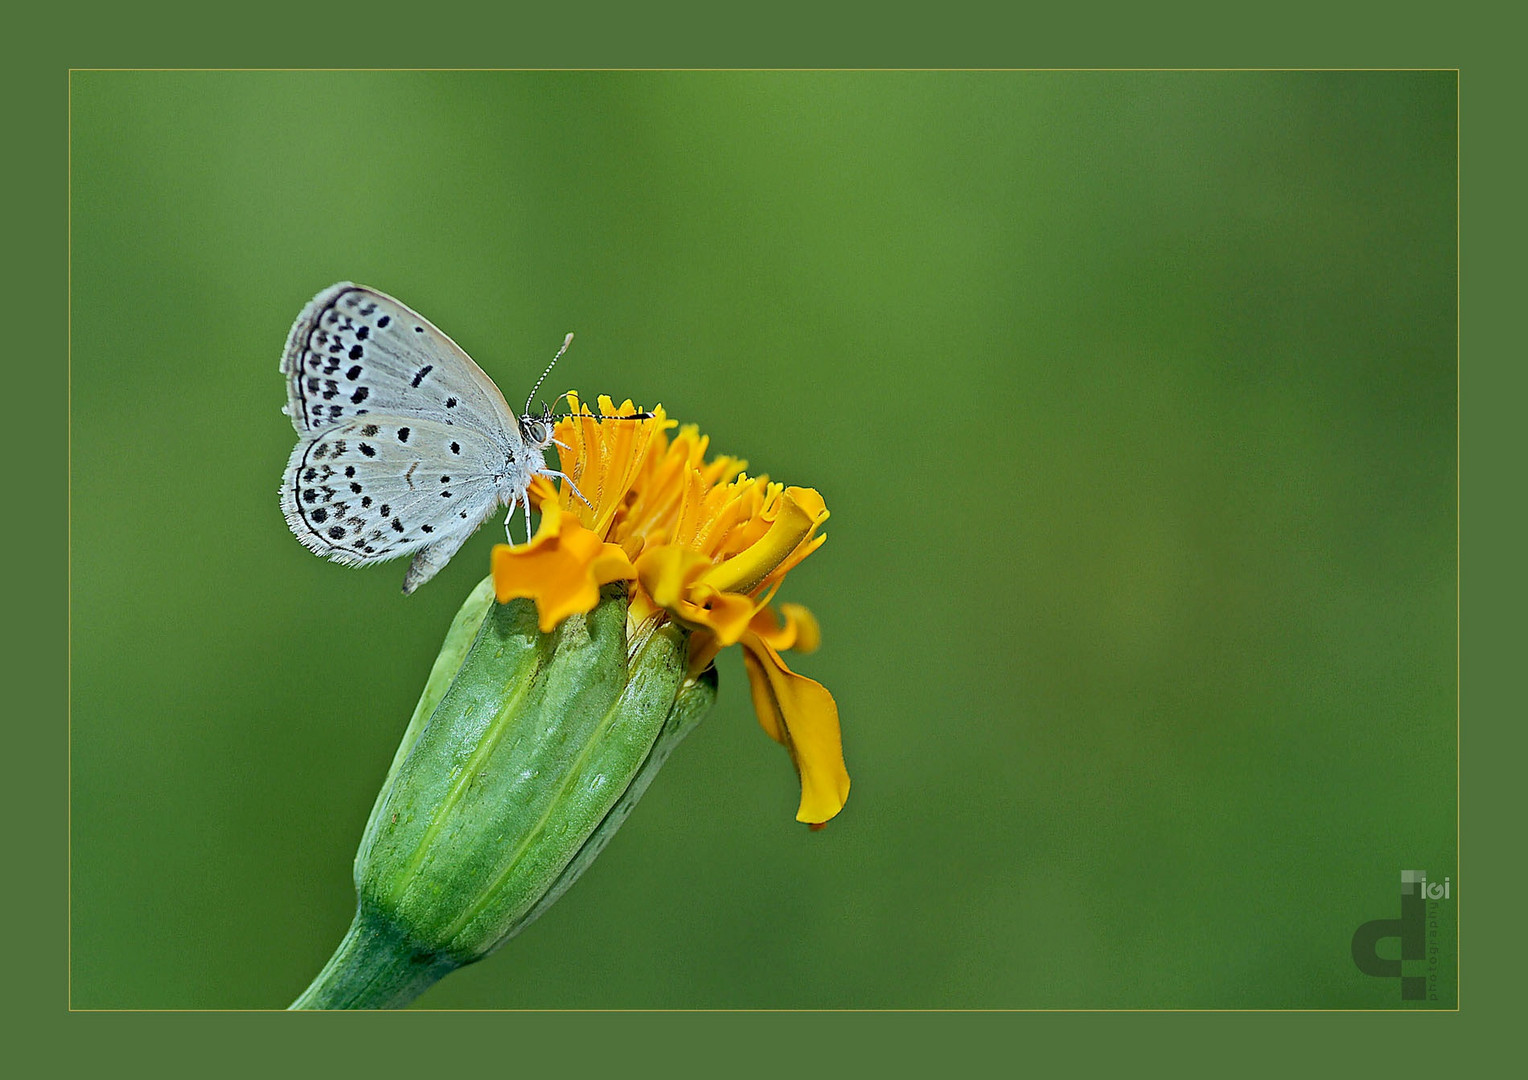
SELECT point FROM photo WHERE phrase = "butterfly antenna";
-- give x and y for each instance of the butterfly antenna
(640, 414)
(565, 343)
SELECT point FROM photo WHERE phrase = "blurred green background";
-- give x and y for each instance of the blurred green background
(1132, 396)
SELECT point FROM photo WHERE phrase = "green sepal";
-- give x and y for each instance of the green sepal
(459, 638)
(695, 700)
(525, 754)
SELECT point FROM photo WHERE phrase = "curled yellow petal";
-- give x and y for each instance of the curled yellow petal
(668, 571)
(804, 623)
(725, 614)
(672, 576)
(797, 628)
(799, 513)
(562, 568)
(802, 716)
(811, 502)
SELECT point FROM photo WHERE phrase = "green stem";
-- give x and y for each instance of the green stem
(375, 967)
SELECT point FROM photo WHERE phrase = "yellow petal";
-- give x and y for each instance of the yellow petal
(802, 716)
(603, 457)
(796, 630)
(670, 575)
(667, 572)
(611, 564)
(800, 511)
(725, 614)
(804, 623)
(562, 568)
(811, 502)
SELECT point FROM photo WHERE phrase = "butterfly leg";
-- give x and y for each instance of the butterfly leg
(514, 502)
(570, 483)
(519, 500)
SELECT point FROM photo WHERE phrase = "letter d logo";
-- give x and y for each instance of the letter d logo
(1411, 928)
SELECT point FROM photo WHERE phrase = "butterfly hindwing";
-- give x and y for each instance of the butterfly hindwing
(378, 487)
(357, 352)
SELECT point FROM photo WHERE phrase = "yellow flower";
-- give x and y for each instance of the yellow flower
(699, 542)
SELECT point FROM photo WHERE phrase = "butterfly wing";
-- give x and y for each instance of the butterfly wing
(378, 487)
(355, 352)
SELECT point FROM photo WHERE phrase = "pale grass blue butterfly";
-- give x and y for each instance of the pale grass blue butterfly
(404, 445)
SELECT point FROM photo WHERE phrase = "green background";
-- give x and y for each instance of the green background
(1132, 395)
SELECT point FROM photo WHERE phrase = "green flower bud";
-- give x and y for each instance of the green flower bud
(524, 755)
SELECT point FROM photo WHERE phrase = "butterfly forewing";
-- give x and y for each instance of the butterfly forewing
(356, 352)
(377, 487)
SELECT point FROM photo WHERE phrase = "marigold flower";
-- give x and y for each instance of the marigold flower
(699, 543)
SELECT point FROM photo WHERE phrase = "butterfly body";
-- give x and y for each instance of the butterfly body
(405, 446)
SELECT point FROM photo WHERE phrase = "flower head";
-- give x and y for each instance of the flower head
(701, 544)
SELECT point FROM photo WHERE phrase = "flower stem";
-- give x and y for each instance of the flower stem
(375, 967)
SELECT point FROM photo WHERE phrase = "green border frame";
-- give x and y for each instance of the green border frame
(1317, 36)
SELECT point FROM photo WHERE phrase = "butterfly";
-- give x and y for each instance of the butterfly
(405, 446)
